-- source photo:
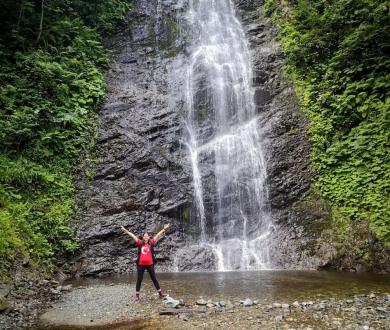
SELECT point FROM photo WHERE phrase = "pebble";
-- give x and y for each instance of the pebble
(285, 306)
(363, 312)
(54, 291)
(201, 302)
(247, 302)
(276, 305)
(279, 318)
(170, 302)
(229, 305)
(319, 307)
(296, 304)
(350, 309)
(381, 309)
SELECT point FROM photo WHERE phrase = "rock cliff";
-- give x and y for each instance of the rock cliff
(141, 177)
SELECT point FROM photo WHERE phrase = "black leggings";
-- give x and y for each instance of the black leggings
(140, 276)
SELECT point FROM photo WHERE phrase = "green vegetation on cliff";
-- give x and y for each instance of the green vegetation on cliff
(51, 80)
(338, 57)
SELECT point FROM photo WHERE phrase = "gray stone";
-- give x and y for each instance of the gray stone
(381, 309)
(296, 304)
(55, 291)
(201, 302)
(229, 305)
(363, 312)
(279, 318)
(319, 307)
(350, 309)
(170, 302)
(247, 302)
(66, 287)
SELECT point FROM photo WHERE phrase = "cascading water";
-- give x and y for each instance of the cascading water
(223, 139)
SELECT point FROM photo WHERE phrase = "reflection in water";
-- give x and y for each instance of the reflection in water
(260, 285)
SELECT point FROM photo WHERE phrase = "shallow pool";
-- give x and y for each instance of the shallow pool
(260, 285)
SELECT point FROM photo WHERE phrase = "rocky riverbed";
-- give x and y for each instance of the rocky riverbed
(110, 306)
(22, 302)
(262, 299)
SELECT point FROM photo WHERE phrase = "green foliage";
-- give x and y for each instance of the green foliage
(337, 53)
(51, 81)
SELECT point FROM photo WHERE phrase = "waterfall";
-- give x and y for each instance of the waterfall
(224, 139)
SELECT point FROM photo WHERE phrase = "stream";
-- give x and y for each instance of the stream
(318, 297)
(261, 285)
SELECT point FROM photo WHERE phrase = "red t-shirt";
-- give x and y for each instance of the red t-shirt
(145, 258)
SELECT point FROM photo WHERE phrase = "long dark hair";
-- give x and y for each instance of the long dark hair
(141, 237)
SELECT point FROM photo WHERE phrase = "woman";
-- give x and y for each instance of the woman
(146, 259)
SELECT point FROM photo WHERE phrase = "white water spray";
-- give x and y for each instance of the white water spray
(223, 138)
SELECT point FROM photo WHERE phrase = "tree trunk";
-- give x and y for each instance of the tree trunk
(41, 22)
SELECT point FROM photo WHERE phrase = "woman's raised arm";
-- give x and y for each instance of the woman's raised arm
(162, 231)
(135, 238)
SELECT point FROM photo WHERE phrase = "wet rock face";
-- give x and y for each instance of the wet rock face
(195, 258)
(142, 177)
(298, 215)
(139, 179)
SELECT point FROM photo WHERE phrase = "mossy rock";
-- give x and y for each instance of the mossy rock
(316, 210)
(4, 304)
